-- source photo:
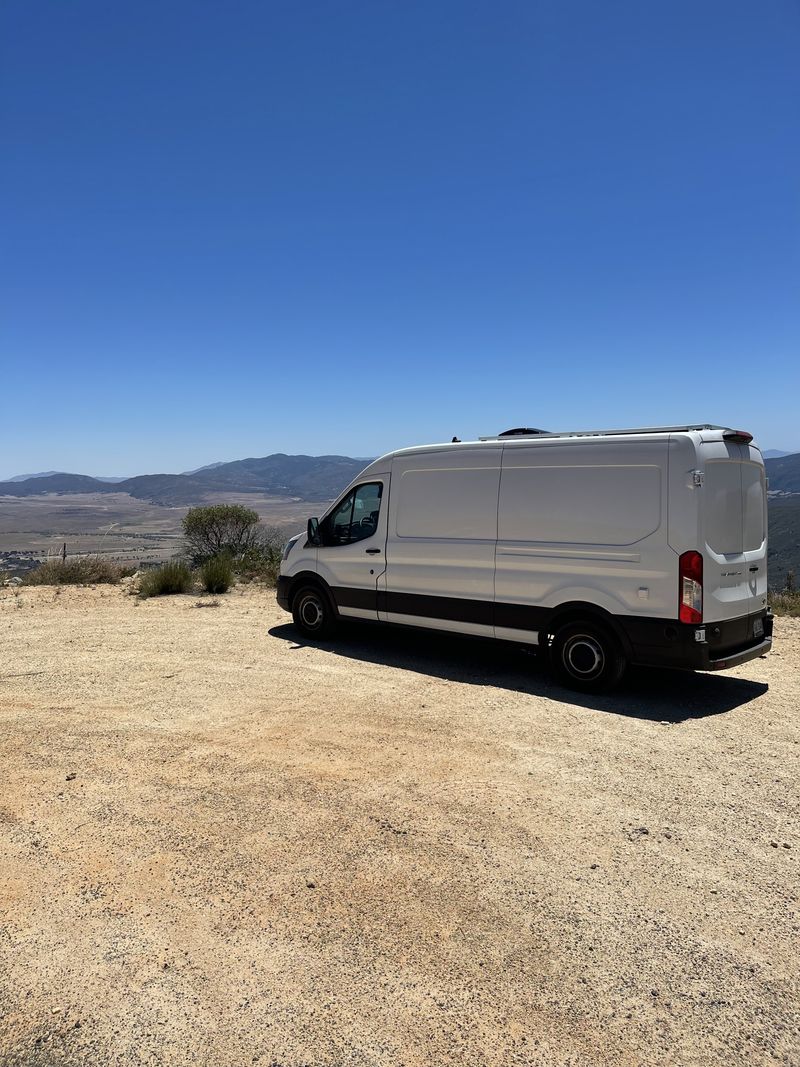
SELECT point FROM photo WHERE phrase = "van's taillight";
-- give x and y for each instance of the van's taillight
(690, 587)
(739, 437)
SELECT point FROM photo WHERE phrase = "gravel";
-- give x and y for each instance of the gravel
(223, 845)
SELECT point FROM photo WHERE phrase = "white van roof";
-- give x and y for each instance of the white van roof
(705, 431)
(536, 434)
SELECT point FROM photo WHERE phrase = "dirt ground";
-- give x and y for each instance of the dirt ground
(220, 845)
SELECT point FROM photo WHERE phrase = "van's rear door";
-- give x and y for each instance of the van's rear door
(755, 526)
(733, 525)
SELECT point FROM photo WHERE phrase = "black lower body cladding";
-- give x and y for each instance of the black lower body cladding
(707, 647)
(651, 642)
(283, 590)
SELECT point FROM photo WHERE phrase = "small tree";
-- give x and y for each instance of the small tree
(220, 530)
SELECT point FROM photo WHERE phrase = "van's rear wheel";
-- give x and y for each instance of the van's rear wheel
(312, 612)
(587, 657)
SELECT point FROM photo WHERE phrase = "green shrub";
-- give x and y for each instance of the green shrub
(220, 529)
(216, 574)
(169, 578)
(259, 564)
(84, 570)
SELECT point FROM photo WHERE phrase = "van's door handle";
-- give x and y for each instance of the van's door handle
(373, 551)
(753, 569)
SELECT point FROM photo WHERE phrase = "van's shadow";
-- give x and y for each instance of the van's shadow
(645, 693)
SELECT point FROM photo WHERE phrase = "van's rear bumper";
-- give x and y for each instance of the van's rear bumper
(714, 646)
(740, 657)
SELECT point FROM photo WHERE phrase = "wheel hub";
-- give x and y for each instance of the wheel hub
(311, 613)
(584, 656)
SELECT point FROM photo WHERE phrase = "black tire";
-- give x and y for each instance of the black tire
(586, 656)
(313, 612)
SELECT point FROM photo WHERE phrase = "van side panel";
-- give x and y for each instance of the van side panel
(442, 532)
(582, 521)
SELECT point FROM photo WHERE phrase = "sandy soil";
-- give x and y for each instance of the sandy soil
(223, 846)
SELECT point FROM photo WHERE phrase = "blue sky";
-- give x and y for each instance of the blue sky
(231, 229)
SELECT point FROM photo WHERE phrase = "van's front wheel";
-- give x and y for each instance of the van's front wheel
(585, 656)
(312, 612)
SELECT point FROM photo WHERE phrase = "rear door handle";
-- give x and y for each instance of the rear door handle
(753, 569)
(373, 551)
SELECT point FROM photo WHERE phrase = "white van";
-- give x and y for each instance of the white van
(603, 547)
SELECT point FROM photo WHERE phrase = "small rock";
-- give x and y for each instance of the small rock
(593, 867)
(653, 992)
(311, 885)
(72, 776)
(786, 844)
(774, 844)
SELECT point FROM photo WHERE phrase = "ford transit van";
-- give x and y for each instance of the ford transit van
(602, 547)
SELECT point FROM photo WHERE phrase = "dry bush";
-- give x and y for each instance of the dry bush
(216, 574)
(167, 580)
(83, 570)
(786, 603)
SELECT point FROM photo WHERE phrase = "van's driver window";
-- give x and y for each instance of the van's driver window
(356, 518)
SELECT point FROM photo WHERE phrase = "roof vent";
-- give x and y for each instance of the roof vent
(520, 431)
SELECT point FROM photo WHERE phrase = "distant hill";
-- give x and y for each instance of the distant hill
(211, 466)
(56, 483)
(783, 549)
(25, 477)
(306, 477)
(784, 474)
(53, 474)
(775, 453)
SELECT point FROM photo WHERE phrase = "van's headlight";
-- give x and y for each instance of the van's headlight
(290, 545)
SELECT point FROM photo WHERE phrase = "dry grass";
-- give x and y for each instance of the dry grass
(85, 570)
(786, 603)
(216, 574)
(170, 578)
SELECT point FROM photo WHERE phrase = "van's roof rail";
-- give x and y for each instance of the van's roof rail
(539, 434)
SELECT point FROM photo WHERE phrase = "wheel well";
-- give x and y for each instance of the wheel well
(305, 578)
(577, 611)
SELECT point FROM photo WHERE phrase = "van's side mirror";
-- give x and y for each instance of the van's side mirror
(313, 532)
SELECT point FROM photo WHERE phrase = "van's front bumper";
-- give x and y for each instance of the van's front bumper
(713, 646)
(282, 592)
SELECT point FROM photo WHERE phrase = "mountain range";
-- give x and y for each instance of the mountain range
(306, 477)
